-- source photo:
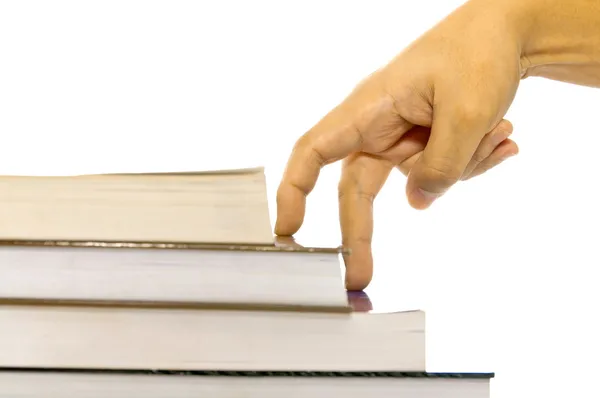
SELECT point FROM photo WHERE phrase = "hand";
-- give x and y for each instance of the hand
(493, 150)
(435, 111)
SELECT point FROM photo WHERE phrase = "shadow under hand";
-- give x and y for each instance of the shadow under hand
(359, 301)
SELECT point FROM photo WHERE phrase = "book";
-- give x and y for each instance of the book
(285, 274)
(137, 284)
(83, 336)
(44, 383)
(77, 351)
(226, 206)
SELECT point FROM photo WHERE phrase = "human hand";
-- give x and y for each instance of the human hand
(435, 111)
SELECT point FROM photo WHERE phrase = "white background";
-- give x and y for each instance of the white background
(505, 265)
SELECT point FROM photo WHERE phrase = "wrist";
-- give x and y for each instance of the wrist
(557, 37)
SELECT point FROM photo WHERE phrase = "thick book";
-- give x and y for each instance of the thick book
(285, 274)
(72, 335)
(48, 383)
(228, 206)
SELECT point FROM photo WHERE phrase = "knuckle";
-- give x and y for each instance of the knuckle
(343, 188)
(304, 142)
(475, 114)
(350, 189)
(345, 194)
(317, 157)
(471, 113)
(305, 146)
(358, 132)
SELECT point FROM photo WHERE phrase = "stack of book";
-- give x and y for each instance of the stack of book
(172, 284)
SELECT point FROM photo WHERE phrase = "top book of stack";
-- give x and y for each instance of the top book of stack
(206, 240)
(210, 207)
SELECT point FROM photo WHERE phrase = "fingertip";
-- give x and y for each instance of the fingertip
(418, 198)
(513, 148)
(287, 223)
(505, 126)
(359, 268)
(357, 282)
(429, 180)
(505, 150)
(508, 148)
(283, 228)
(421, 199)
(290, 211)
(456, 133)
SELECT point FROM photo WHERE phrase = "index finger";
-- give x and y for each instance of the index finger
(335, 136)
(312, 151)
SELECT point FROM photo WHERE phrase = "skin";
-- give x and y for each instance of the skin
(436, 111)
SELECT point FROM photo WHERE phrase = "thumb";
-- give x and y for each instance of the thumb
(456, 132)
